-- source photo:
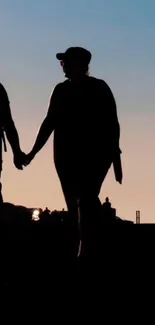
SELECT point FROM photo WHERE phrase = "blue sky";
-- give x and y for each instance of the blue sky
(120, 34)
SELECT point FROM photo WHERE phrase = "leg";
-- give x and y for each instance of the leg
(1, 197)
(90, 205)
(70, 199)
(72, 205)
(66, 177)
(91, 214)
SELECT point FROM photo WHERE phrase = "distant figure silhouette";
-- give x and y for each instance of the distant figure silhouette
(7, 126)
(109, 213)
(107, 203)
(47, 210)
(83, 115)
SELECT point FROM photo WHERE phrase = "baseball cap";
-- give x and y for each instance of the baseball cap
(75, 53)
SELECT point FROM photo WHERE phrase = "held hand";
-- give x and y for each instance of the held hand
(19, 159)
(28, 158)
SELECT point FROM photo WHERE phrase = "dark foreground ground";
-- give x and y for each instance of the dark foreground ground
(36, 254)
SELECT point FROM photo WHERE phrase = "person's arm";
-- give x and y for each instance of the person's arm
(115, 135)
(7, 121)
(112, 118)
(12, 135)
(10, 129)
(48, 124)
(45, 131)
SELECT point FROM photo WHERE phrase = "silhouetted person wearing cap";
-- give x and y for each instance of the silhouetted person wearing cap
(82, 113)
(7, 127)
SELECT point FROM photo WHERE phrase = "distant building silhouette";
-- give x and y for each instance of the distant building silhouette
(137, 217)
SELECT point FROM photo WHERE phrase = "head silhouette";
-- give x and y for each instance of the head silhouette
(75, 62)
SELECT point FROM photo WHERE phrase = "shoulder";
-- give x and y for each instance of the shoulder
(62, 85)
(102, 87)
(2, 89)
(59, 88)
(3, 94)
(99, 83)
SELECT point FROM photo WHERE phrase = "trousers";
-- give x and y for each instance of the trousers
(81, 189)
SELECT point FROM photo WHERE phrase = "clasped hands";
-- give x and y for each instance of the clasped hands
(21, 159)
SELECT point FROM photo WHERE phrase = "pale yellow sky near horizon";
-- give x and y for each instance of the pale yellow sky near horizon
(38, 184)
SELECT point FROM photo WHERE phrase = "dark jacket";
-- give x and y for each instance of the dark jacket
(85, 122)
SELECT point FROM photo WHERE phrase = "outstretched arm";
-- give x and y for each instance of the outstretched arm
(12, 135)
(13, 138)
(45, 131)
(47, 126)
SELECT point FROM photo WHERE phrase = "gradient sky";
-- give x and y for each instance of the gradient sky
(120, 34)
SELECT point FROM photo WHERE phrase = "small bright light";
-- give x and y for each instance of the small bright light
(35, 215)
